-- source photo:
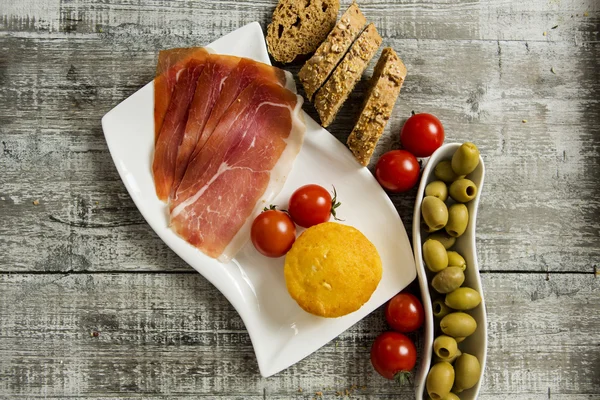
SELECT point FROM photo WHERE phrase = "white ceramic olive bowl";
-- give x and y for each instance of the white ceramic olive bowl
(476, 344)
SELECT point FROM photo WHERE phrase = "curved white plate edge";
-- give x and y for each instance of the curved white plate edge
(372, 304)
(424, 285)
(249, 323)
(475, 390)
(369, 307)
(237, 304)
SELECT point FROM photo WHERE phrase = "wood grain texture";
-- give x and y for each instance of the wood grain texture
(541, 174)
(172, 334)
(519, 78)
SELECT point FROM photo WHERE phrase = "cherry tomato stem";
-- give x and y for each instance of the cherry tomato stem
(392, 354)
(312, 204)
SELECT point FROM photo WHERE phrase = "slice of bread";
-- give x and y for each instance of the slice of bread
(299, 26)
(316, 70)
(384, 89)
(340, 84)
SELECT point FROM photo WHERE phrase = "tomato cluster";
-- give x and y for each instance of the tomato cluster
(273, 232)
(394, 354)
(398, 170)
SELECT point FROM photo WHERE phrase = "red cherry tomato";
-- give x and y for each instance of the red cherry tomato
(273, 233)
(393, 355)
(404, 313)
(422, 134)
(397, 171)
(311, 205)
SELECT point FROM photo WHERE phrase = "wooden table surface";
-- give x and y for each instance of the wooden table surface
(94, 305)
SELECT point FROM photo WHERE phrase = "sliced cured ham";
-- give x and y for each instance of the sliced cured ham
(241, 167)
(208, 91)
(244, 73)
(170, 63)
(173, 128)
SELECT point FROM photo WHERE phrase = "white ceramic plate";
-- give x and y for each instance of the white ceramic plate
(476, 344)
(281, 332)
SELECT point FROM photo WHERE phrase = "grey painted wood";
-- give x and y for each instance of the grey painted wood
(173, 334)
(84, 260)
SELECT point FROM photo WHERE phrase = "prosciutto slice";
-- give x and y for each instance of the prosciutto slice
(170, 63)
(241, 167)
(173, 127)
(208, 90)
(244, 73)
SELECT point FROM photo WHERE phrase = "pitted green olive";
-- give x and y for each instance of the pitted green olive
(463, 298)
(440, 309)
(463, 190)
(448, 280)
(459, 339)
(435, 256)
(456, 260)
(465, 159)
(435, 212)
(444, 172)
(445, 347)
(451, 360)
(440, 380)
(458, 324)
(426, 227)
(458, 219)
(443, 237)
(437, 189)
(467, 372)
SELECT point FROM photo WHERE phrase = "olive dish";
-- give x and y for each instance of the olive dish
(464, 245)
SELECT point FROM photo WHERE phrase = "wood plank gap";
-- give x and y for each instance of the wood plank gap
(516, 271)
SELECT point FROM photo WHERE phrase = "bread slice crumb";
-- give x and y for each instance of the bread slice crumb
(384, 88)
(318, 68)
(298, 27)
(330, 98)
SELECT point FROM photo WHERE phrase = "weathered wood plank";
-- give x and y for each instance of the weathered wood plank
(539, 178)
(174, 334)
(422, 19)
(482, 67)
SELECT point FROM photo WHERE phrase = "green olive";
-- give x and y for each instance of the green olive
(440, 309)
(463, 298)
(435, 256)
(468, 371)
(465, 159)
(440, 380)
(445, 346)
(463, 190)
(426, 227)
(435, 212)
(456, 260)
(458, 219)
(451, 360)
(458, 324)
(448, 280)
(459, 339)
(443, 237)
(437, 189)
(444, 172)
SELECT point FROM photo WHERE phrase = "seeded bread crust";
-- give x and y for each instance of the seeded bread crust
(384, 89)
(316, 70)
(299, 26)
(340, 84)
